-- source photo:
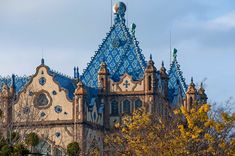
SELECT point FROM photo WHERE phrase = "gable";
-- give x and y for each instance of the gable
(176, 82)
(43, 99)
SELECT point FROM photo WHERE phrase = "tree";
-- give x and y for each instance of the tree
(6, 150)
(32, 140)
(20, 150)
(13, 137)
(16, 150)
(207, 133)
(197, 132)
(73, 149)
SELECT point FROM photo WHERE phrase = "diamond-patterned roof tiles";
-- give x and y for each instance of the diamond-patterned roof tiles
(121, 53)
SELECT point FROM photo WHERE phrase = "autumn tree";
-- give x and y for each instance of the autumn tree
(197, 132)
(73, 149)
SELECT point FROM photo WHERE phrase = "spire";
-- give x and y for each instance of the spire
(202, 95)
(201, 90)
(133, 26)
(174, 54)
(192, 83)
(150, 62)
(42, 61)
(150, 57)
(77, 71)
(13, 81)
(191, 87)
(74, 73)
(201, 85)
(150, 65)
(163, 71)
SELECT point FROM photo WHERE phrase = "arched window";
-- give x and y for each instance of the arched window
(191, 101)
(114, 108)
(58, 152)
(126, 107)
(149, 83)
(43, 148)
(138, 104)
(102, 84)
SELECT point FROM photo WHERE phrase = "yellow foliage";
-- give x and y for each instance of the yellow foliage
(149, 135)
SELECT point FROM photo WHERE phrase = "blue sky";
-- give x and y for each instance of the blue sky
(69, 32)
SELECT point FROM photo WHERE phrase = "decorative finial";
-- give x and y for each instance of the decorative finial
(191, 80)
(133, 26)
(119, 8)
(42, 61)
(175, 54)
(13, 80)
(201, 85)
(150, 57)
(162, 63)
(74, 73)
(77, 73)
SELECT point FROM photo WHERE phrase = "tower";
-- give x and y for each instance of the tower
(79, 102)
(7, 95)
(103, 79)
(164, 79)
(202, 97)
(103, 89)
(150, 84)
(190, 96)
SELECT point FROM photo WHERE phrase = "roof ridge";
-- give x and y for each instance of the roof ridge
(99, 47)
(180, 74)
(61, 74)
(118, 48)
(137, 50)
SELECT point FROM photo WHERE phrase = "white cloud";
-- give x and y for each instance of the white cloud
(18, 8)
(224, 22)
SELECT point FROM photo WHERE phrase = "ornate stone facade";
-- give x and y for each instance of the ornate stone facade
(117, 81)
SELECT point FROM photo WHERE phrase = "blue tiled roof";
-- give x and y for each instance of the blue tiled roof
(20, 81)
(121, 53)
(65, 82)
(176, 80)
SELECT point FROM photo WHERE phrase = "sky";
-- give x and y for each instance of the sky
(68, 32)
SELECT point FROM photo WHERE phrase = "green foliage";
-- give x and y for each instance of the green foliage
(20, 149)
(6, 150)
(13, 137)
(2, 142)
(32, 139)
(16, 150)
(73, 149)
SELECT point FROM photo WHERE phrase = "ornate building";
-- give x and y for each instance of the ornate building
(117, 81)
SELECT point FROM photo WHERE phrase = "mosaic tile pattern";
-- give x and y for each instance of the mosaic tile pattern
(121, 53)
